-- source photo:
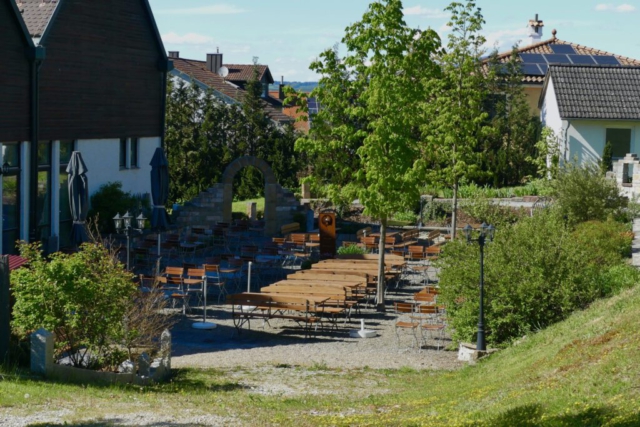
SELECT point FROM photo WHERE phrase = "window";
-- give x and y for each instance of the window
(11, 198)
(123, 153)
(43, 201)
(133, 148)
(620, 142)
(66, 221)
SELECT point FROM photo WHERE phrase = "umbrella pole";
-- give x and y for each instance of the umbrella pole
(204, 324)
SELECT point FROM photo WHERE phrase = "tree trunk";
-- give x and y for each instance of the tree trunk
(454, 214)
(380, 306)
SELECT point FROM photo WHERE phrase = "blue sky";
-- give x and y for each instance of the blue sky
(288, 34)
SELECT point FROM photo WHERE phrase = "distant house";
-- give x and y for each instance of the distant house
(539, 54)
(230, 89)
(81, 75)
(588, 105)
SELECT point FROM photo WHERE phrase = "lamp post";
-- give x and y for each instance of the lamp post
(486, 232)
(123, 224)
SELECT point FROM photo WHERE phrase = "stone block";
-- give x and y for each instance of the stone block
(165, 349)
(144, 365)
(41, 351)
(306, 190)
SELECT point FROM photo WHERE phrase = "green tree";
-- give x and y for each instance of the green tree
(368, 127)
(515, 129)
(606, 164)
(455, 119)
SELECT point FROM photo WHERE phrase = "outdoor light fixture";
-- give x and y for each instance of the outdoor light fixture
(486, 232)
(123, 224)
(5, 168)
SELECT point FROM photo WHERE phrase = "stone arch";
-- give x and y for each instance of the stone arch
(214, 204)
(271, 188)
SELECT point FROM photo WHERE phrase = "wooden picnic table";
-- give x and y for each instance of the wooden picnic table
(316, 282)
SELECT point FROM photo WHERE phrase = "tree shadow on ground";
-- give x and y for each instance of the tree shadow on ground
(113, 422)
(533, 415)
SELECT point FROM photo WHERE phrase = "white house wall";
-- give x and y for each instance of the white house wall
(550, 113)
(588, 137)
(102, 158)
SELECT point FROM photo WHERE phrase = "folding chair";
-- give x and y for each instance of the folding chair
(194, 284)
(212, 273)
(406, 310)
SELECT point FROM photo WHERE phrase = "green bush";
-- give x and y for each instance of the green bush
(484, 210)
(81, 297)
(406, 216)
(537, 272)
(110, 200)
(351, 250)
(583, 194)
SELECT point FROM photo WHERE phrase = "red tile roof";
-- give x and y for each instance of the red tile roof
(198, 70)
(37, 14)
(16, 262)
(543, 47)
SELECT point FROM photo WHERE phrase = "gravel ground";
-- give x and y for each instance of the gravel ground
(276, 360)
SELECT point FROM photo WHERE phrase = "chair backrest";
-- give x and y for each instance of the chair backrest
(403, 307)
(422, 297)
(427, 309)
(174, 271)
(390, 240)
(212, 268)
(195, 272)
(315, 238)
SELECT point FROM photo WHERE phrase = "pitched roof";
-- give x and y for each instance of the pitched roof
(544, 47)
(243, 72)
(596, 91)
(37, 14)
(198, 71)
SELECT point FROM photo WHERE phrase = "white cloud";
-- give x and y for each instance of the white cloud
(423, 11)
(606, 7)
(187, 39)
(216, 9)
(504, 39)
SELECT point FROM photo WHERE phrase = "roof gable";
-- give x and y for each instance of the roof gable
(596, 92)
(37, 14)
(17, 14)
(244, 73)
(40, 15)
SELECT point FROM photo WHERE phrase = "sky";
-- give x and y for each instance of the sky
(287, 35)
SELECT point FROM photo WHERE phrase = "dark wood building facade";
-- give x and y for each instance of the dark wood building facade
(15, 46)
(76, 75)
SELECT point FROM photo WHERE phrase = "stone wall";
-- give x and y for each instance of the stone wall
(214, 205)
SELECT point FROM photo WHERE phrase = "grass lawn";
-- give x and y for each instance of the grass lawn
(581, 372)
(242, 205)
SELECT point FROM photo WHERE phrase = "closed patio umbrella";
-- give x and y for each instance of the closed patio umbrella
(78, 197)
(159, 192)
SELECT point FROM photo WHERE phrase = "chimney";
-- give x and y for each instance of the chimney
(214, 61)
(281, 89)
(535, 30)
(174, 54)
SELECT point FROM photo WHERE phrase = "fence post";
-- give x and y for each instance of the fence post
(5, 307)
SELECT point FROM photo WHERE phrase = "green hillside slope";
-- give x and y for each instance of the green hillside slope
(584, 371)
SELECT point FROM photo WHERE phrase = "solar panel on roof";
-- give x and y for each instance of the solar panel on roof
(532, 58)
(532, 70)
(544, 68)
(582, 59)
(562, 48)
(553, 58)
(606, 60)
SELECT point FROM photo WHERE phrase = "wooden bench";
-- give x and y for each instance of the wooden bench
(339, 300)
(289, 228)
(247, 306)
